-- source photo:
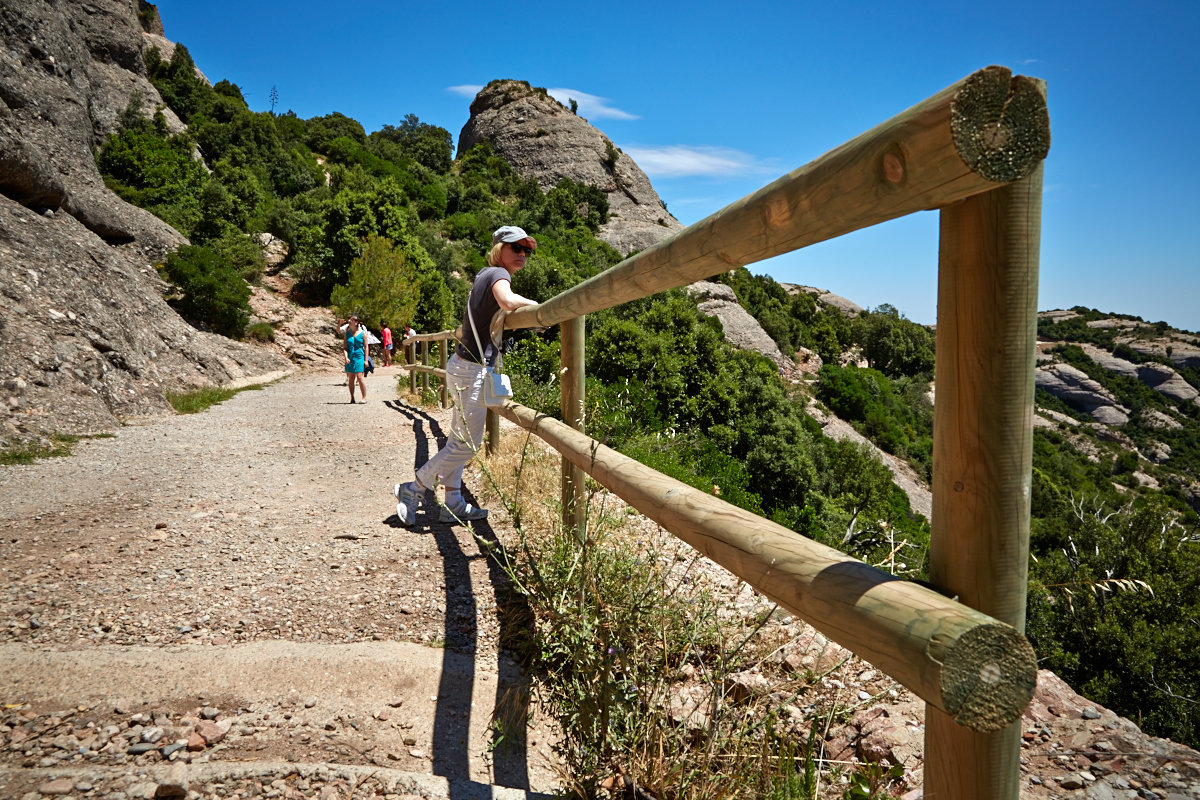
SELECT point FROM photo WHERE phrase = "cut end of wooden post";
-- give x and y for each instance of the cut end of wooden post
(989, 677)
(1000, 124)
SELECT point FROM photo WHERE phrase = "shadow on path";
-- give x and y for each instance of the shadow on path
(510, 707)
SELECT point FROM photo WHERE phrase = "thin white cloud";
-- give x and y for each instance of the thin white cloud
(678, 161)
(590, 105)
(465, 89)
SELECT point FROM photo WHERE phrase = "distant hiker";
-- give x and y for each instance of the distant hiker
(386, 335)
(355, 350)
(491, 292)
(409, 355)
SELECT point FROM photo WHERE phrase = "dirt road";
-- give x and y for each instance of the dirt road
(243, 568)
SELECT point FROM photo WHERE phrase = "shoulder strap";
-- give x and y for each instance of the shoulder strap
(475, 332)
(471, 322)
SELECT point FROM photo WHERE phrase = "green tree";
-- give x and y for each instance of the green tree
(428, 145)
(382, 284)
(892, 344)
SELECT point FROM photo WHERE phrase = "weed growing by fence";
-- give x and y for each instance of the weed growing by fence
(635, 657)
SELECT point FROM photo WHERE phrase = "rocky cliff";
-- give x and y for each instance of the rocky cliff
(545, 141)
(86, 338)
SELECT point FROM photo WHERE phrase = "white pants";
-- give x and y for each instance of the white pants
(465, 382)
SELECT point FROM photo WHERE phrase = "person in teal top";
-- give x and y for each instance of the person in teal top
(355, 350)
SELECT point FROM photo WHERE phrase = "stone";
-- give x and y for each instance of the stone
(1074, 387)
(741, 686)
(143, 790)
(741, 330)
(57, 786)
(1072, 781)
(213, 732)
(174, 783)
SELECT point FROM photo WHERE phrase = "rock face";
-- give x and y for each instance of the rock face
(85, 335)
(1159, 377)
(826, 298)
(741, 330)
(1075, 387)
(68, 71)
(1181, 349)
(544, 141)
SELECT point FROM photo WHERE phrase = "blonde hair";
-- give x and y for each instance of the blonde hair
(493, 258)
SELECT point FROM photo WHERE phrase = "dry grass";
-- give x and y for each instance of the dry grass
(760, 738)
(525, 473)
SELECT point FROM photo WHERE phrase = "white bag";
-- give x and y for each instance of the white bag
(497, 388)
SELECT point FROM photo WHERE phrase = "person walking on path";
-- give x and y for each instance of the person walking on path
(491, 292)
(355, 350)
(386, 335)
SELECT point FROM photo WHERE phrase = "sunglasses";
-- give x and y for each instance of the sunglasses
(520, 248)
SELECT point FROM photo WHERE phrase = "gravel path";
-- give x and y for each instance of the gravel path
(246, 562)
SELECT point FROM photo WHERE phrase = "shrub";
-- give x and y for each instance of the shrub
(242, 253)
(211, 292)
(261, 332)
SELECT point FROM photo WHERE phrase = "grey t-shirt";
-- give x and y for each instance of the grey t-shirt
(483, 307)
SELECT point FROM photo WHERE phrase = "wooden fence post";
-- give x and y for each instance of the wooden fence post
(443, 346)
(493, 433)
(983, 452)
(410, 355)
(425, 363)
(574, 508)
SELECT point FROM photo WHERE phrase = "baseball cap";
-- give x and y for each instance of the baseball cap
(510, 234)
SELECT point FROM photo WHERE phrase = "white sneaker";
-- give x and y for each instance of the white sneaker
(410, 501)
(464, 513)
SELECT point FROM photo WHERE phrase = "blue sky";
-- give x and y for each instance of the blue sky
(714, 100)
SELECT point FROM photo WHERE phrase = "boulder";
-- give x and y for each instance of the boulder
(1157, 376)
(1157, 419)
(826, 298)
(544, 141)
(1158, 452)
(1073, 386)
(741, 330)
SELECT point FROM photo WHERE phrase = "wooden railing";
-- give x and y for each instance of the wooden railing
(974, 151)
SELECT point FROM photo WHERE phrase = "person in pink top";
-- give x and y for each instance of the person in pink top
(386, 335)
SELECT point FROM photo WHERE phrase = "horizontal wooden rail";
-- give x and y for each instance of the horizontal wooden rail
(979, 670)
(988, 129)
(435, 371)
(431, 337)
